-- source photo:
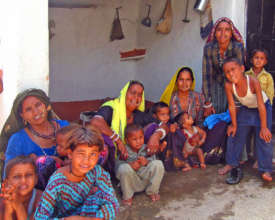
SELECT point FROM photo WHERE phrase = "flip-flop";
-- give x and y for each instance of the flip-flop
(267, 177)
(235, 176)
(154, 197)
(127, 202)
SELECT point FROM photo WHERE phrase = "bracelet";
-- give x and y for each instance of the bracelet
(208, 106)
(117, 137)
(160, 123)
(162, 131)
(113, 135)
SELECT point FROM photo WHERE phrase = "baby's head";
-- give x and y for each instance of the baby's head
(85, 145)
(233, 69)
(62, 137)
(184, 119)
(160, 111)
(134, 136)
(21, 173)
(259, 58)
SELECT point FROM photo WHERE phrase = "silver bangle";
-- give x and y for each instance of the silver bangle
(117, 137)
(162, 131)
(113, 135)
(208, 106)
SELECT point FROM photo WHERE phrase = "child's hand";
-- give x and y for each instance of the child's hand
(173, 127)
(8, 191)
(231, 130)
(135, 165)
(265, 135)
(143, 161)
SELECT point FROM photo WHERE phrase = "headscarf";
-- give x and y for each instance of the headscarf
(14, 122)
(172, 86)
(235, 32)
(119, 119)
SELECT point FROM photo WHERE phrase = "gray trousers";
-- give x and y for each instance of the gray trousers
(146, 179)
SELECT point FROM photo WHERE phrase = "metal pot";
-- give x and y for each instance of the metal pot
(200, 5)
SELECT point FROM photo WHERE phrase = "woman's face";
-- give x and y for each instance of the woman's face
(133, 97)
(184, 81)
(223, 32)
(23, 177)
(34, 111)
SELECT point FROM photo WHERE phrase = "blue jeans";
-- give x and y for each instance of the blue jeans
(247, 118)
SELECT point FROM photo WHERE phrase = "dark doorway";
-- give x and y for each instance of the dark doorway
(261, 33)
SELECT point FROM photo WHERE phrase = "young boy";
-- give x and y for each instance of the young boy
(255, 111)
(139, 172)
(195, 137)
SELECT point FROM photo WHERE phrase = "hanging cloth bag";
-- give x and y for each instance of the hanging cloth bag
(165, 23)
(116, 33)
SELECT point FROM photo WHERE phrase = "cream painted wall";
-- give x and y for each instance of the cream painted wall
(85, 65)
(24, 49)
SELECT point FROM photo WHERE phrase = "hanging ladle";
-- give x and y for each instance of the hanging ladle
(186, 20)
(147, 20)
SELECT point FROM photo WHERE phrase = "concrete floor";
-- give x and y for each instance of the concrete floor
(204, 195)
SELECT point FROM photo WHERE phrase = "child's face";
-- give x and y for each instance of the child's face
(187, 119)
(259, 59)
(233, 71)
(135, 139)
(62, 148)
(84, 158)
(163, 114)
(23, 177)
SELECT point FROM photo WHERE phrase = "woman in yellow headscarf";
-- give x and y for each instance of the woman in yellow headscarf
(113, 117)
(180, 95)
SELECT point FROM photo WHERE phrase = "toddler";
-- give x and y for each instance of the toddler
(195, 137)
(139, 172)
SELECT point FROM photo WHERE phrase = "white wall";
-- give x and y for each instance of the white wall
(24, 49)
(85, 65)
(183, 46)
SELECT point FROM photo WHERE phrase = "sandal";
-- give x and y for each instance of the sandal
(267, 177)
(224, 170)
(234, 176)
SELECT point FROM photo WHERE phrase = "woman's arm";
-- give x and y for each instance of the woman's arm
(264, 133)
(232, 110)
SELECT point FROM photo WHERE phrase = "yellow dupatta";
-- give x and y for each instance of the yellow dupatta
(172, 86)
(119, 119)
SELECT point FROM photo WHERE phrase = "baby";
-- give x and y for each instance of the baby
(139, 172)
(195, 137)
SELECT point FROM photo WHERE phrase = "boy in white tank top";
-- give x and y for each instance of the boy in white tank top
(255, 111)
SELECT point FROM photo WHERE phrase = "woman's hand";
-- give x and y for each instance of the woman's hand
(231, 130)
(153, 143)
(123, 151)
(265, 134)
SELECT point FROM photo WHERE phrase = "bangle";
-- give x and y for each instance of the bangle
(113, 135)
(160, 123)
(208, 106)
(117, 137)
(162, 131)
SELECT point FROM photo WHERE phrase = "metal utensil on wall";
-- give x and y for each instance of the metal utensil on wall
(147, 20)
(186, 20)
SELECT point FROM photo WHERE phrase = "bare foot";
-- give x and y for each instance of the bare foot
(203, 165)
(224, 170)
(186, 169)
(127, 202)
(255, 165)
(267, 177)
(154, 197)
